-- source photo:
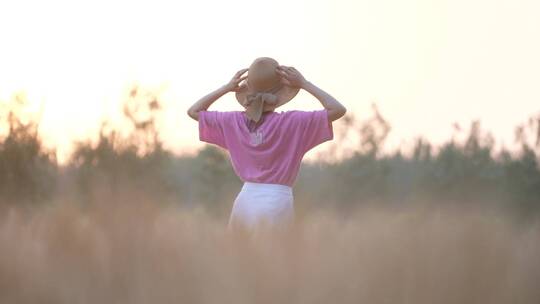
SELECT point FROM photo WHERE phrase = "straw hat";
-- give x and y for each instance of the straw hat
(263, 90)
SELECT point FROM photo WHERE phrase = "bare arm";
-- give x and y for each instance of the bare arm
(205, 102)
(292, 77)
(335, 109)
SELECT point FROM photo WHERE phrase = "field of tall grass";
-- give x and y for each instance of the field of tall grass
(126, 221)
(116, 252)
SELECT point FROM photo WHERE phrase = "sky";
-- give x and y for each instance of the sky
(426, 64)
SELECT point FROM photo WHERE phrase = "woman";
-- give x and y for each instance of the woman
(266, 147)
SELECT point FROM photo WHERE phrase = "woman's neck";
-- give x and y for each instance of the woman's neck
(252, 125)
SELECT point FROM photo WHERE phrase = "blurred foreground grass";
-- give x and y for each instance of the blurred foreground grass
(145, 253)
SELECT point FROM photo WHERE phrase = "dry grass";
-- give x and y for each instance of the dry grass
(145, 254)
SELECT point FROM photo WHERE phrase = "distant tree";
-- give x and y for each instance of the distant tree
(28, 171)
(135, 160)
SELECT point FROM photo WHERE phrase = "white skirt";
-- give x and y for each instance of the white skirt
(259, 204)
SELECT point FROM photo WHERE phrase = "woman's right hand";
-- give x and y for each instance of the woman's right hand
(291, 77)
(234, 83)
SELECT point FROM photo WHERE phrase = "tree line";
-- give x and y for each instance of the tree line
(120, 168)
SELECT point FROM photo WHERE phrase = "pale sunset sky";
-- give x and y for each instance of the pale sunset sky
(427, 64)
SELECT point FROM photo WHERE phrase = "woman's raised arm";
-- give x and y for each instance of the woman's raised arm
(205, 102)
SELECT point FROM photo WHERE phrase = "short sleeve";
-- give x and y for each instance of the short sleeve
(314, 127)
(212, 127)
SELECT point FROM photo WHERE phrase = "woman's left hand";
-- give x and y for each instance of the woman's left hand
(291, 77)
(234, 84)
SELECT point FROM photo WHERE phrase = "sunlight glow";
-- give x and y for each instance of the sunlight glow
(427, 64)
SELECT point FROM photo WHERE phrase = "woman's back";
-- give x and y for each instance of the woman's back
(272, 152)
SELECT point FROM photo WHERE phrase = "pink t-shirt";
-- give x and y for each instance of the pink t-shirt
(273, 152)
